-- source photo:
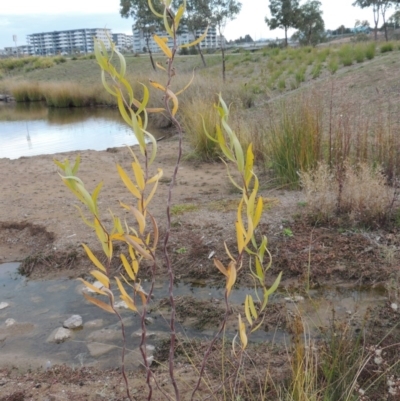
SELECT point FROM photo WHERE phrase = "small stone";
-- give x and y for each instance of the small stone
(10, 322)
(97, 349)
(148, 320)
(74, 322)
(62, 334)
(394, 306)
(3, 305)
(295, 298)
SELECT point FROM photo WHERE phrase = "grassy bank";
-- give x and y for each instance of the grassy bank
(299, 106)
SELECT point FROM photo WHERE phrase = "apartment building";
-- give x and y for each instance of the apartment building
(22, 50)
(142, 40)
(67, 42)
(122, 41)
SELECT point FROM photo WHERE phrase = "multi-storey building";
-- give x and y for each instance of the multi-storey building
(142, 41)
(67, 42)
(22, 50)
(122, 41)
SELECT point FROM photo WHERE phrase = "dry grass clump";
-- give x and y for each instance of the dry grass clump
(65, 94)
(359, 192)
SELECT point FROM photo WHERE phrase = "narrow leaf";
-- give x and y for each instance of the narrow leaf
(99, 303)
(93, 258)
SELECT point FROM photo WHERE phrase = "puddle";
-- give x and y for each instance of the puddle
(40, 307)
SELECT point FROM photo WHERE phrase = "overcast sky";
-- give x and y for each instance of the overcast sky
(23, 17)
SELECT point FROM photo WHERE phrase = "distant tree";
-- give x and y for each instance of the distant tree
(310, 25)
(379, 7)
(223, 11)
(144, 20)
(284, 15)
(394, 20)
(196, 18)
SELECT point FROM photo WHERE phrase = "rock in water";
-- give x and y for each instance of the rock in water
(3, 305)
(62, 334)
(74, 322)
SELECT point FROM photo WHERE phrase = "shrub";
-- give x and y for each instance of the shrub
(333, 65)
(370, 51)
(387, 47)
(196, 116)
(345, 54)
(316, 72)
(359, 192)
(359, 53)
(294, 138)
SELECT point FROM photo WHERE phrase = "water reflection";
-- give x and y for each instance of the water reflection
(32, 129)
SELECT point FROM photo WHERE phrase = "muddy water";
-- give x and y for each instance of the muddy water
(33, 129)
(40, 307)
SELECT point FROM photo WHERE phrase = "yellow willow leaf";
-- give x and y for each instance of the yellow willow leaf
(248, 171)
(153, 10)
(259, 270)
(127, 267)
(252, 307)
(96, 192)
(179, 14)
(175, 101)
(129, 302)
(76, 165)
(163, 46)
(122, 62)
(93, 258)
(198, 40)
(242, 333)
(258, 325)
(227, 252)
(274, 286)
(101, 277)
(156, 85)
(247, 310)
(166, 24)
(151, 194)
(99, 303)
(145, 100)
(160, 66)
(92, 287)
(128, 183)
(265, 301)
(155, 109)
(155, 231)
(153, 148)
(230, 282)
(220, 267)
(251, 204)
(239, 215)
(250, 231)
(258, 212)
(187, 86)
(122, 110)
(140, 219)
(155, 177)
(138, 248)
(239, 237)
(138, 175)
(143, 297)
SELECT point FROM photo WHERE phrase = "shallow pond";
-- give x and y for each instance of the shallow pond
(40, 307)
(33, 129)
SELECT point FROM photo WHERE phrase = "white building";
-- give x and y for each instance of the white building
(67, 42)
(22, 50)
(122, 41)
(211, 41)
